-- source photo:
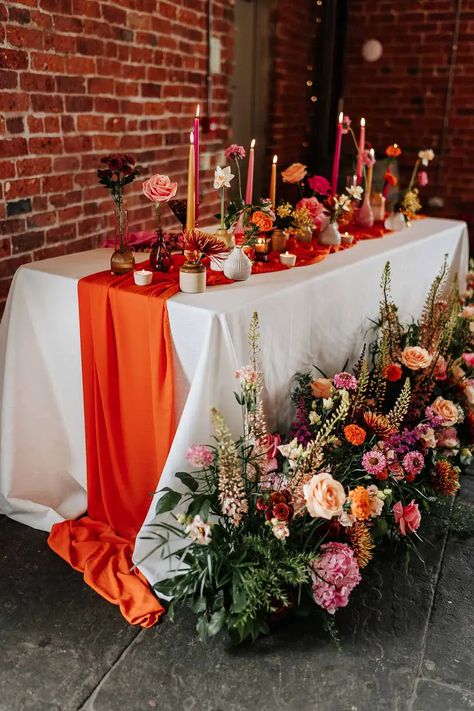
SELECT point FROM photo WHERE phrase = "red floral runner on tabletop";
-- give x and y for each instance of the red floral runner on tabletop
(128, 384)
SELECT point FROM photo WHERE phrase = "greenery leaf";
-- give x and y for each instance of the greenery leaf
(168, 501)
(188, 480)
(216, 622)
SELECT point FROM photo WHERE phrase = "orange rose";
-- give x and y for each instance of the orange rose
(447, 410)
(324, 496)
(263, 221)
(321, 387)
(416, 358)
(360, 503)
(393, 151)
(294, 174)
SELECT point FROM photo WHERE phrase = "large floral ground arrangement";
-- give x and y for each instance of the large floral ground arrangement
(273, 524)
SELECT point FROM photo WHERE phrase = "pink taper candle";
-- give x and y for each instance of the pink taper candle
(250, 169)
(361, 150)
(196, 164)
(337, 154)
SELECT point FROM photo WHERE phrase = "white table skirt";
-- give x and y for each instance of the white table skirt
(316, 314)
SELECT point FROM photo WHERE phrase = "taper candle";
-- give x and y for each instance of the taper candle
(361, 150)
(370, 173)
(337, 154)
(190, 207)
(196, 164)
(250, 171)
(273, 181)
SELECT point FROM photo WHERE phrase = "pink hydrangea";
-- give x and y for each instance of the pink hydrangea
(199, 456)
(334, 575)
(344, 381)
(235, 152)
(413, 463)
(315, 209)
(374, 462)
(319, 184)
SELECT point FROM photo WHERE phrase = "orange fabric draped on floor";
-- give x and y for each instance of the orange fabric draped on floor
(127, 368)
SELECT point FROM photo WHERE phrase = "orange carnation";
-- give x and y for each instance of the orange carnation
(263, 221)
(360, 503)
(393, 151)
(355, 434)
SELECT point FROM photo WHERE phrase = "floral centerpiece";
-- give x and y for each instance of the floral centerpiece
(117, 171)
(269, 527)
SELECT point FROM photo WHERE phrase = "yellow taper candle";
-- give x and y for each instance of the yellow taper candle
(190, 207)
(370, 173)
(273, 181)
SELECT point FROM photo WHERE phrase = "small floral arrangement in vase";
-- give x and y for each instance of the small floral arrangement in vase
(159, 189)
(118, 171)
(408, 203)
(196, 246)
(336, 207)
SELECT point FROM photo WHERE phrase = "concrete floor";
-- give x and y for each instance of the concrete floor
(407, 644)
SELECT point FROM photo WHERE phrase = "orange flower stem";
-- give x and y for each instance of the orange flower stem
(413, 175)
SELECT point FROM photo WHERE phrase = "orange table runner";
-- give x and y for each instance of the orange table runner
(127, 367)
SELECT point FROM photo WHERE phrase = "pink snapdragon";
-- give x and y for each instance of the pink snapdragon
(334, 575)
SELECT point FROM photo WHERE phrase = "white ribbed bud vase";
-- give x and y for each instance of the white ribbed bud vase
(237, 266)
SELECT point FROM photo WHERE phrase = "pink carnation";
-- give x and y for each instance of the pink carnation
(334, 575)
(422, 178)
(199, 456)
(319, 184)
(408, 517)
(344, 381)
(315, 209)
(235, 152)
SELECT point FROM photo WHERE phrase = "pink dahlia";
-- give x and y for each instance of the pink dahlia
(199, 456)
(334, 575)
(344, 381)
(374, 462)
(235, 152)
(413, 463)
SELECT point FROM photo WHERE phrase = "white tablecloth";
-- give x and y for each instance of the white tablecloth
(316, 314)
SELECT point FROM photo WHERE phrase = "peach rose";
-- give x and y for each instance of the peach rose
(294, 174)
(263, 221)
(447, 410)
(321, 387)
(324, 496)
(159, 188)
(416, 358)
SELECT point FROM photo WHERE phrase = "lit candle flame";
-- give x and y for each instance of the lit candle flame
(341, 117)
(275, 159)
(191, 137)
(197, 111)
(362, 122)
(252, 143)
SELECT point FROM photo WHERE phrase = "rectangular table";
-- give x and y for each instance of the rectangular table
(316, 314)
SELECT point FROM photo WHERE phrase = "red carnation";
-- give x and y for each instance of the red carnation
(277, 498)
(392, 372)
(262, 504)
(281, 512)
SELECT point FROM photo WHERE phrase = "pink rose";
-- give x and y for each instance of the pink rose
(319, 184)
(468, 358)
(314, 207)
(270, 443)
(321, 387)
(422, 178)
(416, 358)
(447, 438)
(324, 496)
(159, 188)
(407, 517)
(447, 410)
(439, 371)
(294, 173)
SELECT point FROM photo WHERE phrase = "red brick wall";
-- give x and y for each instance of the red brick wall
(403, 95)
(83, 78)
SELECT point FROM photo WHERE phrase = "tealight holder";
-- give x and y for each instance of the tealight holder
(288, 259)
(262, 249)
(142, 277)
(347, 238)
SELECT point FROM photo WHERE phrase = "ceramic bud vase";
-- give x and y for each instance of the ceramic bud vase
(377, 203)
(237, 266)
(279, 240)
(218, 260)
(330, 235)
(395, 221)
(365, 216)
(122, 260)
(160, 256)
(192, 278)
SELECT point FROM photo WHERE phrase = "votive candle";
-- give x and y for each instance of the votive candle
(288, 259)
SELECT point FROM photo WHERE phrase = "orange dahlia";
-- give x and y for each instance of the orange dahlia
(361, 543)
(355, 434)
(379, 424)
(445, 478)
(360, 503)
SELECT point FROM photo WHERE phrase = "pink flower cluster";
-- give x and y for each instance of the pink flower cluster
(315, 209)
(334, 575)
(344, 381)
(199, 456)
(235, 152)
(247, 375)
